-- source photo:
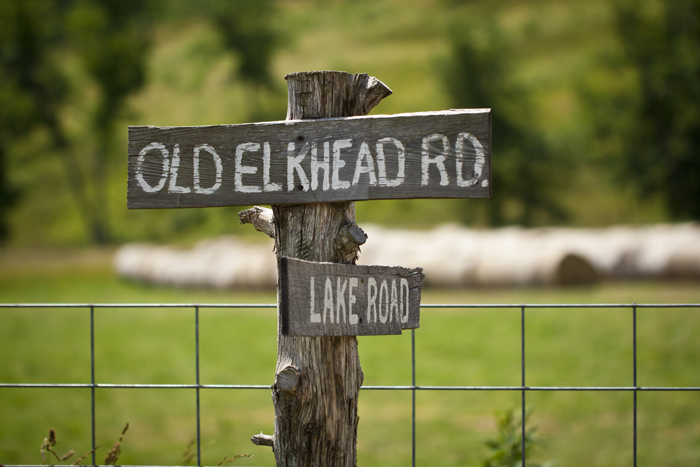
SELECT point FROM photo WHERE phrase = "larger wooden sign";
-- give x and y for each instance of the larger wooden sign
(419, 155)
(331, 299)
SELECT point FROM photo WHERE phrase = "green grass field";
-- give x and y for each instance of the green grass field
(565, 347)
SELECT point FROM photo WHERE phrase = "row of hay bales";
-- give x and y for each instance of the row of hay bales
(451, 256)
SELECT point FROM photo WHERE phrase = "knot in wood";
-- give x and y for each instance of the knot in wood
(349, 239)
(287, 382)
(352, 235)
(310, 428)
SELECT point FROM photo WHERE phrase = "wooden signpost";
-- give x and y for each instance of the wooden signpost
(310, 168)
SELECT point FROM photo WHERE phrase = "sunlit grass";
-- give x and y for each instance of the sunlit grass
(238, 346)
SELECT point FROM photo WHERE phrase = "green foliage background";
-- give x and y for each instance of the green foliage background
(593, 100)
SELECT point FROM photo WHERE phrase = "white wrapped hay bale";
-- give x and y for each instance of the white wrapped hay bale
(220, 263)
(515, 256)
(454, 256)
(451, 256)
(668, 251)
(447, 257)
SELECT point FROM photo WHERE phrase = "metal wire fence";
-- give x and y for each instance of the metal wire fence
(523, 388)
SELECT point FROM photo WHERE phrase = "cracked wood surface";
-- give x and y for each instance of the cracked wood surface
(318, 379)
(418, 155)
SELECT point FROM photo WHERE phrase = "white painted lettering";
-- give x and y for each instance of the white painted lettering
(381, 162)
(294, 163)
(174, 166)
(340, 301)
(166, 168)
(267, 184)
(338, 163)
(325, 165)
(394, 309)
(195, 170)
(404, 300)
(328, 300)
(459, 157)
(315, 317)
(383, 299)
(367, 168)
(439, 160)
(245, 169)
(371, 299)
(352, 299)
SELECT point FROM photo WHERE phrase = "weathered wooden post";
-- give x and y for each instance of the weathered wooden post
(318, 379)
(310, 169)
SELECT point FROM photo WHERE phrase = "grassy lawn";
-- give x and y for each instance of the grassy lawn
(565, 347)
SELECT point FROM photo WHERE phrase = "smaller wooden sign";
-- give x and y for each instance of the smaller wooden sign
(330, 299)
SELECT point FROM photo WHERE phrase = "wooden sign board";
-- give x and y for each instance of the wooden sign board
(330, 299)
(419, 155)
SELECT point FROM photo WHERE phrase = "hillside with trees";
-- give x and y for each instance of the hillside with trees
(596, 111)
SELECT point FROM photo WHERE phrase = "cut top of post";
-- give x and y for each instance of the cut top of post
(315, 94)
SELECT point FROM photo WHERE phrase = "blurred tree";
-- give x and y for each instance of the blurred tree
(248, 33)
(524, 176)
(31, 88)
(245, 26)
(659, 145)
(112, 38)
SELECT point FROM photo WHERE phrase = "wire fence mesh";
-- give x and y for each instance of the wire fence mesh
(523, 389)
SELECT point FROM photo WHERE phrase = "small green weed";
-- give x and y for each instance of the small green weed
(506, 449)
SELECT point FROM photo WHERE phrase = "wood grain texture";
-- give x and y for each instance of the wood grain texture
(329, 299)
(316, 417)
(420, 155)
